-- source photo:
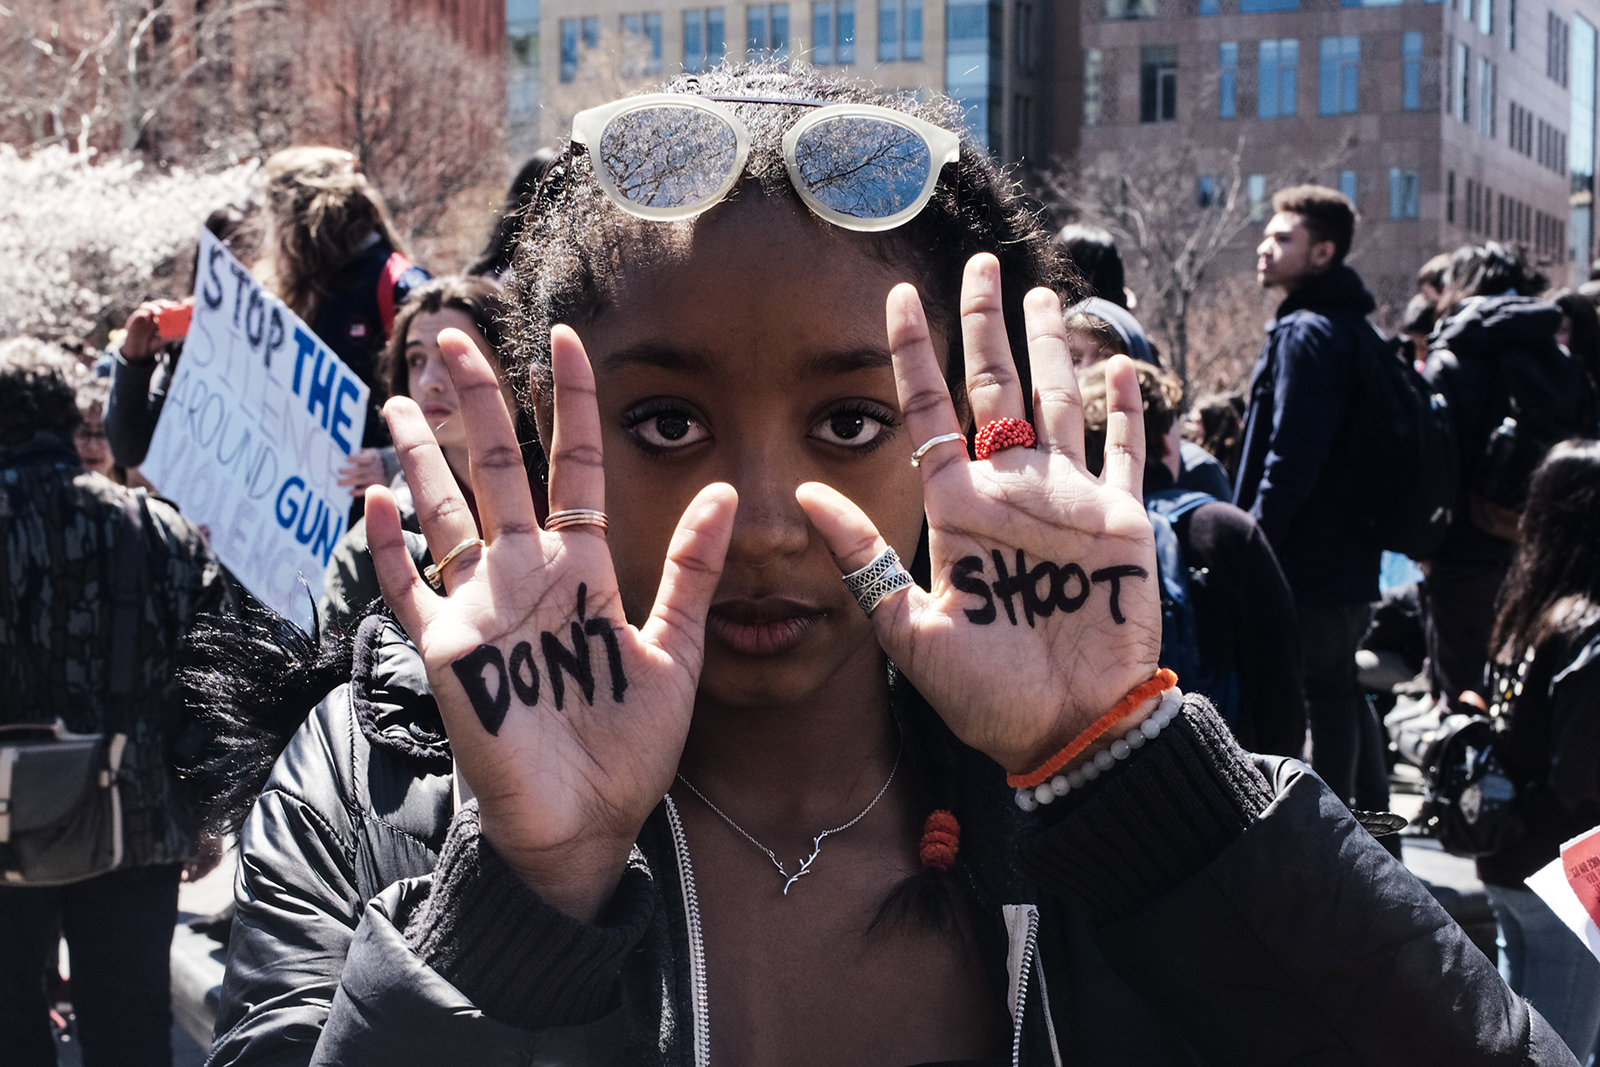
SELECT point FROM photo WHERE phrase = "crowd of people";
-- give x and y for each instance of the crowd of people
(591, 739)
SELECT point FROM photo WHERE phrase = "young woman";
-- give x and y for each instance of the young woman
(412, 365)
(1546, 694)
(732, 809)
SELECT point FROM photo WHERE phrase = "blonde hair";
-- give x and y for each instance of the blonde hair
(1161, 392)
(321, 208)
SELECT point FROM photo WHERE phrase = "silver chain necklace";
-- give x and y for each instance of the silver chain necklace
(816, 842)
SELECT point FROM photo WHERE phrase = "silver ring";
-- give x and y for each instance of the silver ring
(916, 457)
(870, 584)
(560, 520)
(434, 570)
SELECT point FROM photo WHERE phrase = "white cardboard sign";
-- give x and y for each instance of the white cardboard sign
(259, 418)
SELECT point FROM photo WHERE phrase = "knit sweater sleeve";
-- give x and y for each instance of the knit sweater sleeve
(518, 958)
(1151, 825)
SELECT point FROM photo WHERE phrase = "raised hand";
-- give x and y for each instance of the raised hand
(1045, 610)
(565, 721)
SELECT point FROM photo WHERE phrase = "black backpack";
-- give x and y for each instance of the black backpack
(1180, 630)
(1539, 401)
(1396, 470)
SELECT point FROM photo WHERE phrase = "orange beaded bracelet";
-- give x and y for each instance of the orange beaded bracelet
(1164, 679)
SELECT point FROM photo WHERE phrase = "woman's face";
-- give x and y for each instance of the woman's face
(94, 451)
(758, 357)
(427, 381)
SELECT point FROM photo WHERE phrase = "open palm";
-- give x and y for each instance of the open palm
(1045, 609)
(546, 691)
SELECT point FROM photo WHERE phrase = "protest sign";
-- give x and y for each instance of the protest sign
(1570, 886)
(259, 417)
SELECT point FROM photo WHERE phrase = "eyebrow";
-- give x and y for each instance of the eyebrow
(669, 357)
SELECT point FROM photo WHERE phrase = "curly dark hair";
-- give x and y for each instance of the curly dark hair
(36, 390)
(577, 244)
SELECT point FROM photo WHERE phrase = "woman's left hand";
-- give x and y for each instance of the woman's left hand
(1045, 610)
(363, 468)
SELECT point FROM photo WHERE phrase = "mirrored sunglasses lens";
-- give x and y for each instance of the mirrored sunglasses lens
(667, 157)
(863, 167)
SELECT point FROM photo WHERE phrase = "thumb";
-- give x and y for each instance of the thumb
(677, 623)
(855, 542)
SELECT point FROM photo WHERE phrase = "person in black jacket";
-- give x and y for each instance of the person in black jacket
(1301, 392)
(1244, 613)
(1545, 693)
(1493, 354)
(701, 817)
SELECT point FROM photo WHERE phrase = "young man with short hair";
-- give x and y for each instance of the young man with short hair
(1300, 393)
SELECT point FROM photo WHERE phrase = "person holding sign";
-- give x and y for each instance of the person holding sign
(1545, 697)
(745, 790)
(413, 366)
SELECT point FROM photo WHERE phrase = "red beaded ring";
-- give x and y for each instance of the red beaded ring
(941, 840)
(1002, 434)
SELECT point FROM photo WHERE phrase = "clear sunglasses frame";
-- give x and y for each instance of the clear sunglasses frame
(944, 146)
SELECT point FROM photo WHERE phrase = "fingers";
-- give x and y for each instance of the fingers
(919, 381)
(1058, 404)
(577, 478)
(677, 623)
(499, 480)
(1125, 444)
(993, 387)
(441, 508)
(403, 588)
(854, 542)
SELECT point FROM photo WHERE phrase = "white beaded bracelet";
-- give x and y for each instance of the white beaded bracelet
(1105, 759)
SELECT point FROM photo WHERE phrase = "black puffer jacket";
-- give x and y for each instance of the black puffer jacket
(1464, 364)
(1185, 910)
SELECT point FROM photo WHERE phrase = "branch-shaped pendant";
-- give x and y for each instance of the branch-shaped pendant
(805, 865)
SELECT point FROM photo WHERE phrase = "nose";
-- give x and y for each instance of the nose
(770, 526)
(434, 378)
(1263, 248)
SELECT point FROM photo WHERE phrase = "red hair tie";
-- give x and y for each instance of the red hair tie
(941, 840)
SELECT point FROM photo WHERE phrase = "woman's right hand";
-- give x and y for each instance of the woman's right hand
(566, 722)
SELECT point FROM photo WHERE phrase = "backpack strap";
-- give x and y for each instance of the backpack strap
(1173, 504)
(393, 267)
(129, 584)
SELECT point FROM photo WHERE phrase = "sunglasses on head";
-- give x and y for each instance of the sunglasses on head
(669, 156)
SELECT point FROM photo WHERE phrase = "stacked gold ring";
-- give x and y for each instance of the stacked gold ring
(434, 571)
(560, 520)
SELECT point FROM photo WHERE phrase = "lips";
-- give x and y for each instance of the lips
(761, 626)
(436, 413)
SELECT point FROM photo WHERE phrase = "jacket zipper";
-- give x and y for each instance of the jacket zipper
(698, 999)
(1029, 947)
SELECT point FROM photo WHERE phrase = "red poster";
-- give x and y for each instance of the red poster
(1580, 860)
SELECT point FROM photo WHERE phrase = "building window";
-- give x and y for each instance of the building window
(1463, 83)
(1022, 34)
(1256, 189)
(1021, 126)
(1091, 87)
(703, 39)
(1158, 83)
(1579, 157)
(1275, 71)
(1208, 8)
(1450, 197)
(1486, 97)
(1208, 191)
(1257, 7)
(641, 44)
(1511, 24)
(767, 27)
(833, 32)
(1405, 194)
(1486, 17)
(974, 67)
(1340, 70)
(899, 30)
(1228, 77)
(1466, 10)
(1130, 9)
(1558, 49)
(1375, 3)
(1347, 185)
(1411, 70)
(569, 49)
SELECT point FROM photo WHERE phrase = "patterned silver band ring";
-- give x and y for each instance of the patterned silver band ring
(884, 575)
